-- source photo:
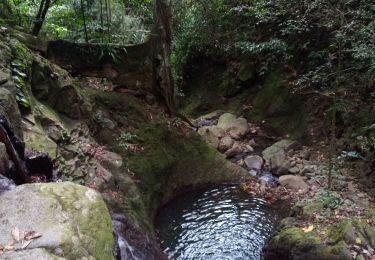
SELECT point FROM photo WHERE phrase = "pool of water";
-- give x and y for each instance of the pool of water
(219, 223)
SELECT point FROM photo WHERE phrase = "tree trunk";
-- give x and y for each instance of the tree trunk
(39, 19)
(161, 44)
(84, 22)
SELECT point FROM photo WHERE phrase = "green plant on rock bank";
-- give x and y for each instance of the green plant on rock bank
(125, 139)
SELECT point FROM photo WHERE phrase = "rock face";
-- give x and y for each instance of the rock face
(73, 220)
(293, 182)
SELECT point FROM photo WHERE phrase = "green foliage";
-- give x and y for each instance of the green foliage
(329, 199)
(321, 44)
(125, 139)
(108, 21)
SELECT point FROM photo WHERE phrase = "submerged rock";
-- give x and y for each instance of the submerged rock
(71, 218)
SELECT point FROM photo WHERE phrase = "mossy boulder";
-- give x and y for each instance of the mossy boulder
(294, 243)
(72, 219)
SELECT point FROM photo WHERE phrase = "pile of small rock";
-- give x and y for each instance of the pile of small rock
(283, 162)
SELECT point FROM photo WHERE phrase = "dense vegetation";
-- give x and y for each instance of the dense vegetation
(108, 21)
(324, 48)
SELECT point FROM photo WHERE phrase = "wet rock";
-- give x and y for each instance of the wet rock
(254, 162)
(237, 127)
(235, 150)
(269, 180)
(6, 184)
(225, 143)
(4, 159)
(295, 183)
(294, 170)
(69, 216)
(132, 242)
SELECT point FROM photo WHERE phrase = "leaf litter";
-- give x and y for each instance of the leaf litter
(24, 238)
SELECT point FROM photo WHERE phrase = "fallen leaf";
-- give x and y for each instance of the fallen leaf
(308, 229)
(358, 240)
(16, 234)
(32, 235)
(10, 246)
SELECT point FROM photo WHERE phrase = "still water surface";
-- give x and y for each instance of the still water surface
(220, 223)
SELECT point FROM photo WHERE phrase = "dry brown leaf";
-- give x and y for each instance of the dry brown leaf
(308, 229)
(16, 234)
(10, 246)
(32, 235)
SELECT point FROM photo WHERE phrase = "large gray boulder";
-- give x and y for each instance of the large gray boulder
(237, 127)
(295, 183)
(73, 220)
(276, 155)
(211, 134)
(254, 162)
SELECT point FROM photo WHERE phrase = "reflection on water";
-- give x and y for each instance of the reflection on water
(216, 224)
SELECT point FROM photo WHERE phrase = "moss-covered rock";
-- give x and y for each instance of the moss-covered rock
(72, 219)
(294, 243)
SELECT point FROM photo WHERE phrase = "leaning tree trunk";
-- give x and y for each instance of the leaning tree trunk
(39, 19)
(161, 45)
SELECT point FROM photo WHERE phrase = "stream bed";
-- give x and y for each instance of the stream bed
(220, 223)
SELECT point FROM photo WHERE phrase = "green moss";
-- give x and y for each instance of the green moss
(275, 103)
(93, 234)
(310, 209)
(171, 161)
